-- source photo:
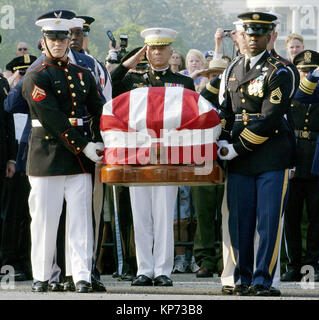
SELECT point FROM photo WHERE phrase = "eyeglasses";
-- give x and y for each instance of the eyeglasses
(20, 49)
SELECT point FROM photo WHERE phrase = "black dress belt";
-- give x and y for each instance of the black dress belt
(247, 116)
(309, 135)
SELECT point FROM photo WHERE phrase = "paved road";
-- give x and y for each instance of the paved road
(186, 287)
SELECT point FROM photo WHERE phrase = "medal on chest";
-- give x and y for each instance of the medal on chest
(255, 87)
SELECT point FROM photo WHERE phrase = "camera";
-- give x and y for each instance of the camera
(116, 56)
(227, 32)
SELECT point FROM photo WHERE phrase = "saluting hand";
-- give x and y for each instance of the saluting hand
(133, 61)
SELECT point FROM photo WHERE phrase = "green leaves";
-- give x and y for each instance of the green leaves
(195, 20)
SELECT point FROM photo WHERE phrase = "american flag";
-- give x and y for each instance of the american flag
(183, 123)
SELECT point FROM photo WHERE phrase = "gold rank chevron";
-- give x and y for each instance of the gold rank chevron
(252, 137)
(307, 86)
(275, 96)
(37, 93)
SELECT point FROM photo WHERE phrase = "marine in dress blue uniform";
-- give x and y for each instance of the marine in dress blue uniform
(259, 149)
(60, 156)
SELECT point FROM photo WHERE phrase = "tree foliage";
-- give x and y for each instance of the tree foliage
(195, 20)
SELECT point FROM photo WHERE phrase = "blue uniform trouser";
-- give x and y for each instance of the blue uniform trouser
(256, 201)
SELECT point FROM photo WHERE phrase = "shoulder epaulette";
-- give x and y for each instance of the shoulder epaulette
(276, 63)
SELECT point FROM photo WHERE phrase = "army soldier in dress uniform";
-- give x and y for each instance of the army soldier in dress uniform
(152, 207)
(304, 185)
(60, 157)
(258, 144)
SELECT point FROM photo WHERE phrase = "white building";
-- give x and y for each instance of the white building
(298, 16)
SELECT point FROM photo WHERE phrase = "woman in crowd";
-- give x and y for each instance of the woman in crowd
(177, 61)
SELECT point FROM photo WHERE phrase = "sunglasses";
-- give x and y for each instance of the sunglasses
(20, 49)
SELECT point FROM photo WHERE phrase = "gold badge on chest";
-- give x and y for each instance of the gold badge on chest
(255, 87)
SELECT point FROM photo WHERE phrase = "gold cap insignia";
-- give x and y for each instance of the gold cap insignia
(256, 16)
(307, 56)
(58, 15)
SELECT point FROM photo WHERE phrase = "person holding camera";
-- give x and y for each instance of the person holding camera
(117, 51)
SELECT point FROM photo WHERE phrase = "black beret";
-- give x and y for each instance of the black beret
(21, 63)
(306, 59)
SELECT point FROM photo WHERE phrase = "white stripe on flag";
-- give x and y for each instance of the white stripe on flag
(138, 109)
(107, 109)
(204, 105)
(172, 138)
(122, 139)
(173, 108)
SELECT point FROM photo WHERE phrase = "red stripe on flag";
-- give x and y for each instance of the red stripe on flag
(121, 107)
(204, 121)
(189, 107)
(155, 110)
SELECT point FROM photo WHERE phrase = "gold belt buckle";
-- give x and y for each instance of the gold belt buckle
(245, 117)
(305, 134)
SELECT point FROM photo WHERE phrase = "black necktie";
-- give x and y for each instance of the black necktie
(247, 67)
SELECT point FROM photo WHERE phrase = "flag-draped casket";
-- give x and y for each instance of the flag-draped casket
(156, 129)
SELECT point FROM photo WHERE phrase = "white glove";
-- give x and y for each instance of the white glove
(222, 143)
(231, 152)
(100, 145)
(90, 151)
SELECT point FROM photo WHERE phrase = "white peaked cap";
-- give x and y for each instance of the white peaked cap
(55, 24)
(77, 22)
(158, 36)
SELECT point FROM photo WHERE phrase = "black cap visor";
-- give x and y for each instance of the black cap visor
(56, 35)
(257, 29)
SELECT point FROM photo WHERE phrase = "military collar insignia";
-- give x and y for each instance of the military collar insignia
(56, 62)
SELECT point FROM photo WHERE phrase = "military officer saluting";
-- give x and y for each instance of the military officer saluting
(152, 207)
(304, 185)
(60, 156)
(159, 74)
(259, 148)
